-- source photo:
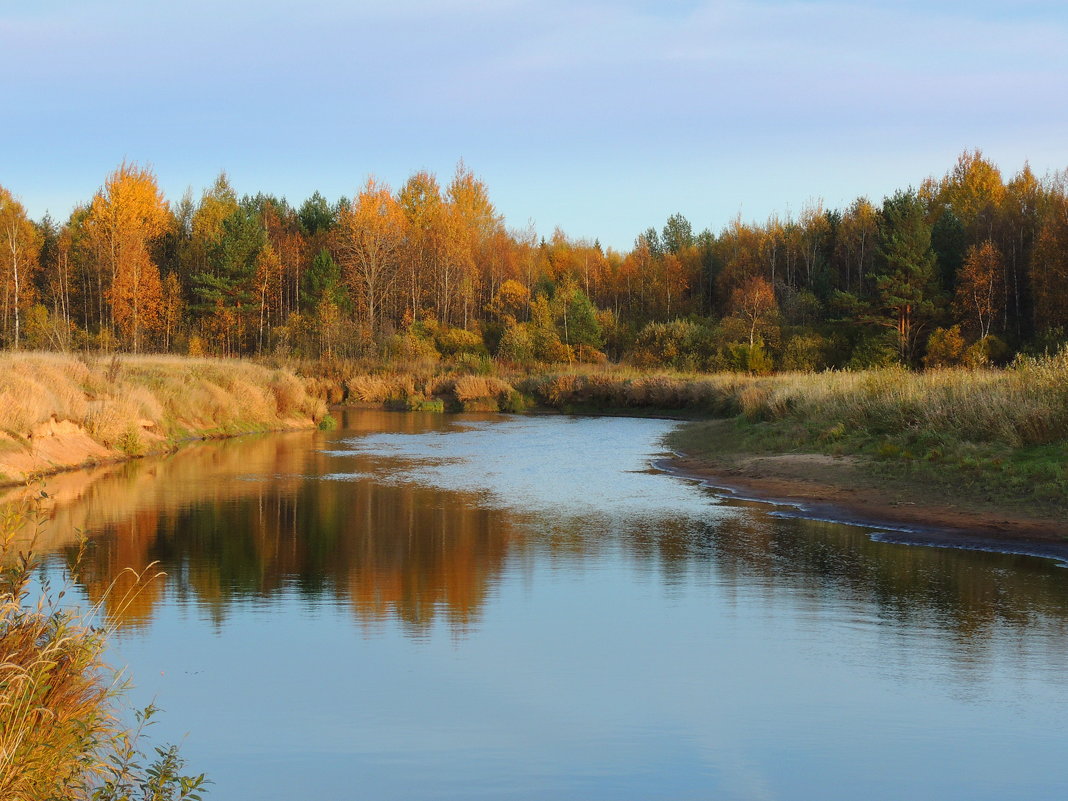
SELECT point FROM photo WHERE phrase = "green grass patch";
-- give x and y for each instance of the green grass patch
(989, 475)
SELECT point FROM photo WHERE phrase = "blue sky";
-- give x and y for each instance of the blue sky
(600, 117)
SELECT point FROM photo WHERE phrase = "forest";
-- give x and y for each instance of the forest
(965, 269)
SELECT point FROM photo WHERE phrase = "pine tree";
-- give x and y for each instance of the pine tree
(906, 285)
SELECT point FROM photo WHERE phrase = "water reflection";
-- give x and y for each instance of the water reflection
(389, 551)
(399, 523)
(539, 615)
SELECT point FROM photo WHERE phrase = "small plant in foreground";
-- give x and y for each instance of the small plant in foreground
(60, 733)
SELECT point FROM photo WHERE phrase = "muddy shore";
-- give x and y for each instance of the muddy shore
(843, 489)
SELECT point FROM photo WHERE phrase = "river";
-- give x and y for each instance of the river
(422, 606)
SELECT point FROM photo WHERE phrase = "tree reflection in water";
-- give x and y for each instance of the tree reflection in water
(258, 517)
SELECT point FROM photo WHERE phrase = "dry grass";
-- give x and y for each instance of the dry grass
(54, 699)
(60, 736)
(625, 389)
(1024, 405)
(990, 439)
(478, 387)
(371, 388)
(171, 396)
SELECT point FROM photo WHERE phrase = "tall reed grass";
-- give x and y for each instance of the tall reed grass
(1024, 405)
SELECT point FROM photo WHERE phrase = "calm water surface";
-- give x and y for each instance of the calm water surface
(435, 607)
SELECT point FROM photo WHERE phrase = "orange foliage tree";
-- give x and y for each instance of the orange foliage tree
(981, 286)
(972, 250)
(754, 302)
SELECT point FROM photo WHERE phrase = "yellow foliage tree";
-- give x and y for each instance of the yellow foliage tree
(268, 285)
(372, 244)
(511, 300)
(126, 215)
(424, 251)
(471, 225)
(973, 189)
(20, 248)
(173, 308)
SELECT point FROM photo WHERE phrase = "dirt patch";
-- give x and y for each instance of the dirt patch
(53, 445)
(801, 465)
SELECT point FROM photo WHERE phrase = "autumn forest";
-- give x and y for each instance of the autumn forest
(970, 268)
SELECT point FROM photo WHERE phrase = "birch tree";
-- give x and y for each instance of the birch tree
(20, 248)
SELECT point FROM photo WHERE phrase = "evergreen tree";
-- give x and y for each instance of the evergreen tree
(225, 295)
(948, 243)
(316, 215)
(906, 286)
(322, 281)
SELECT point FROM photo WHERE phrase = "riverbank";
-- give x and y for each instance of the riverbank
(977, 449)
(983, 449)
(942, 501)
(60, 412)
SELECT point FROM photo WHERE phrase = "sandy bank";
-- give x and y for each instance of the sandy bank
(848, 489)
(61, 412)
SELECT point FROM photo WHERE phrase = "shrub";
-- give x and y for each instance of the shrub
(682, 344)
(554, 351)
(479, 363)
(805, 353)
(945, 347)
(516, 345)
(453, 341)
(875, 350)
(988, 350)
(130, 443)
(409, 347)
(750, 359)
(516, 402)
(589, 355)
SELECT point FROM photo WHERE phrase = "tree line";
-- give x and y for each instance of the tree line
(967, 268)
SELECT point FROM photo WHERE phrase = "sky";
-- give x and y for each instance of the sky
(602, 118)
